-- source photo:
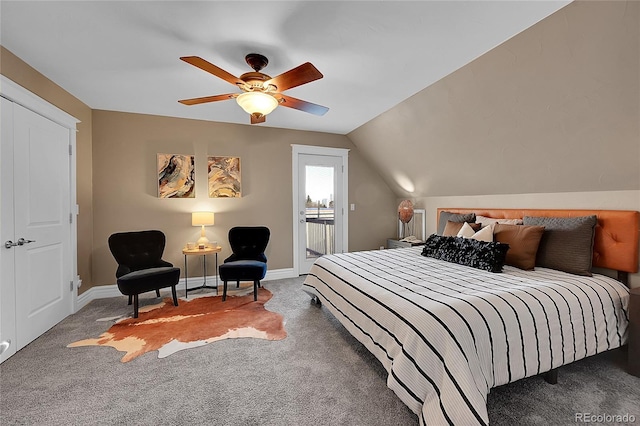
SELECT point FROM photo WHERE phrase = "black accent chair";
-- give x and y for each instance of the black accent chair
(248, 261)
(140, 265)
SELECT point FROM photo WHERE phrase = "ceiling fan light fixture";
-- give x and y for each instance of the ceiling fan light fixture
(257, 104)
(261, 94)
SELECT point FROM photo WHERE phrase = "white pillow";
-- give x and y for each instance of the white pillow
(485, 234)
(466, 231)
(485, 221)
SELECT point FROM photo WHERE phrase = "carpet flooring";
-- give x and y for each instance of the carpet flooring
(318, 375)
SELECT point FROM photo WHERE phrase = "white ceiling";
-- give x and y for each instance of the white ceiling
(123, 55)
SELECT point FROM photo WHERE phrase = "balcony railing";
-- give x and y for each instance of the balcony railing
(320, 231)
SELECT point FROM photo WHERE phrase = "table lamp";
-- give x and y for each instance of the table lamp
(202, 219)
(405, 214)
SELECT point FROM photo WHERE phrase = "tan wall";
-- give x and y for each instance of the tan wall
(125, 185)
(20, 72)
(548, 119)
(554, 109)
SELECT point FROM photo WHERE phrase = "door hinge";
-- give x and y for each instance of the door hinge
(71, 285)
(70, 150)
(70, 217)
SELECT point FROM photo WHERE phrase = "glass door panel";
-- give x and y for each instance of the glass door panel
(319, 208)
(319, 200)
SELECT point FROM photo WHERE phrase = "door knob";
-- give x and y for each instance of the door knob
(22, 241)
(9, 244)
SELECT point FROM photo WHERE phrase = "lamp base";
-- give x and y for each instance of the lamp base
(202, 242)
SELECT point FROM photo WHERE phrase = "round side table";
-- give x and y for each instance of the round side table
(204, 253)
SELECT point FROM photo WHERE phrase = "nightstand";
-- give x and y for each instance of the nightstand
(633, 351)
(393, 243)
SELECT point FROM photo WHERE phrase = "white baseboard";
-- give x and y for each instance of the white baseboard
(98, 292)
(279, 274)
(111, 290)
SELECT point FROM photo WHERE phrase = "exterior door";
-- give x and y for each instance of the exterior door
(42, 264)
(320, 207)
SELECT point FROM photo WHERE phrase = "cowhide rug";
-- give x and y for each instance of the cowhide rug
(195, 322)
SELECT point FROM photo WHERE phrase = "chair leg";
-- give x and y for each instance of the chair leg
(135, 306)
(175, 296)
(224, 291)
(157, 292)
(129, 299)
(256, 284)
(238, 284)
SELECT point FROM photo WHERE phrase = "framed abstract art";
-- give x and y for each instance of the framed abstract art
(176, 176)
(224, 177)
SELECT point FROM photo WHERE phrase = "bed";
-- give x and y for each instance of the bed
(447, 333)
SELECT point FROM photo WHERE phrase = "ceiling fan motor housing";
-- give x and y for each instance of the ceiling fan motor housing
(256, 61)
(255, 81)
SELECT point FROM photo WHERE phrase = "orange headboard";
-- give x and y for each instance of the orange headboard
(616, 238)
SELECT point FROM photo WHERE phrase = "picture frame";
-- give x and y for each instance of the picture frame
(224, 178)
(176, 176)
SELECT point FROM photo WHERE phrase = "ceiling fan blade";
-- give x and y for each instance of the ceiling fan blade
(255, 120)
(297, 76)
(210, 68)
(289, 102)
(205, 99)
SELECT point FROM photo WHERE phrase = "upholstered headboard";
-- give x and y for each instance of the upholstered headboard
(617, 233)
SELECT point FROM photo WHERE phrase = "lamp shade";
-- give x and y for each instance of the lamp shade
(257, 103)
(405, 211)
(202, 218)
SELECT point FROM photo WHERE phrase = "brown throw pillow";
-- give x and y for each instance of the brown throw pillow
(567, 243)
(453, 217)
(523, 243)
(452, 228)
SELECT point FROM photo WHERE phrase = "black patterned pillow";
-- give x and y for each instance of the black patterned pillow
(467, 251)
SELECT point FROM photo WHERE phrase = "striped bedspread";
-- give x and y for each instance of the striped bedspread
(448, 333)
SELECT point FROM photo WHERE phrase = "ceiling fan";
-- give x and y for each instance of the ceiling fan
(261, 93)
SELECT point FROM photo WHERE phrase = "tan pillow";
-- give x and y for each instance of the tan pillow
(485, 234)
(451, 229)
(523, 243)
(466, 231)
(485, 221)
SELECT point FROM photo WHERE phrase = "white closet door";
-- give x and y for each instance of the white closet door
(7, 256)
(42, 219)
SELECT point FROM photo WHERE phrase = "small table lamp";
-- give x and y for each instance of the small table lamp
(405, 214)
(202, 219)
